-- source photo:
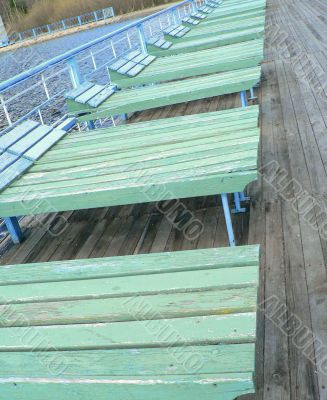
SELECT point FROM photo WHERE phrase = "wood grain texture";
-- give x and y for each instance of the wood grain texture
(215, 153)
(226, 58)
(138, 99)
(183, 339)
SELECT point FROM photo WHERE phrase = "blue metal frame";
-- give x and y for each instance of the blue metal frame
(14, 229)
(228, 219)
(239, 197)
(244, 99)
(238, 208)
(10, 83)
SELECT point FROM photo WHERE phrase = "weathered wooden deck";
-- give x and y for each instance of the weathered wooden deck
(294, 252)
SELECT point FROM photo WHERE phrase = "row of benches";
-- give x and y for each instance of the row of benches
(180, 325)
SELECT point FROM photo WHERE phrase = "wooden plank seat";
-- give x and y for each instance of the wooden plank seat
(197, 155)
(20, 148)
(225, 58)
(179, 325)
(131, 64)
(174, 92)
(158, 42)
(198, 15)
(190, 21)
(210, 42)
(176, 31)
(206, 9)
(221, 29)
(91, 94)
(213, 4)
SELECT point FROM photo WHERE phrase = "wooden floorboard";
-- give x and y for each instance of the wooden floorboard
(287, 211)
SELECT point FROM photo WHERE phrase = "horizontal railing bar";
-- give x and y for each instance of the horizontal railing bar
(32, 112)
(71, 53)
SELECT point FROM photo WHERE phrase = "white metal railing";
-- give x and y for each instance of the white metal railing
(39, 92)
(62, 25)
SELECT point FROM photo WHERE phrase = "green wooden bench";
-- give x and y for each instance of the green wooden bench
(220, 29)
(230, 19)
(169, 325)
(196, 155)
(238, 8)
(209, 42)
(138, 99)
(226, 58)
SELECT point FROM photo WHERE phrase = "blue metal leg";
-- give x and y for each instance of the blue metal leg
(237, 201)
(228, 219)
(14, 230)
(244, 99)
(252, 96)
(243, 197)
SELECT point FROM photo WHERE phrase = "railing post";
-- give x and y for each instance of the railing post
(77, 79)
(49, 29)
(79, 20)
(14, 230)
(75, 72)
(140, 31)
(195, 5)
(34, 32)
(175, 17)
(95, 16)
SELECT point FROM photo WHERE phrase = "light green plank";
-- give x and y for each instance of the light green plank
(221, 28)
(225, 301)
(140, 362)
(210, 42)
(231, 328)
(176, 282)
(226, 58)
(131, 100)
(190, 260)
(183, 388)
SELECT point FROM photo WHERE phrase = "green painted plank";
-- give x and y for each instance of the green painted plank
(141, 362)
(175, 282)
(131, 100)
(226, 58)
(225, 120)
(222, 28)
(222, 387)
(178, 166)
(231, 328)
(225, 301)
(184, 135)
(210, 42)
(97, 169)
(139, 192)
(134, 265)
(230, 19)
(237, 10)
(210, 148)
